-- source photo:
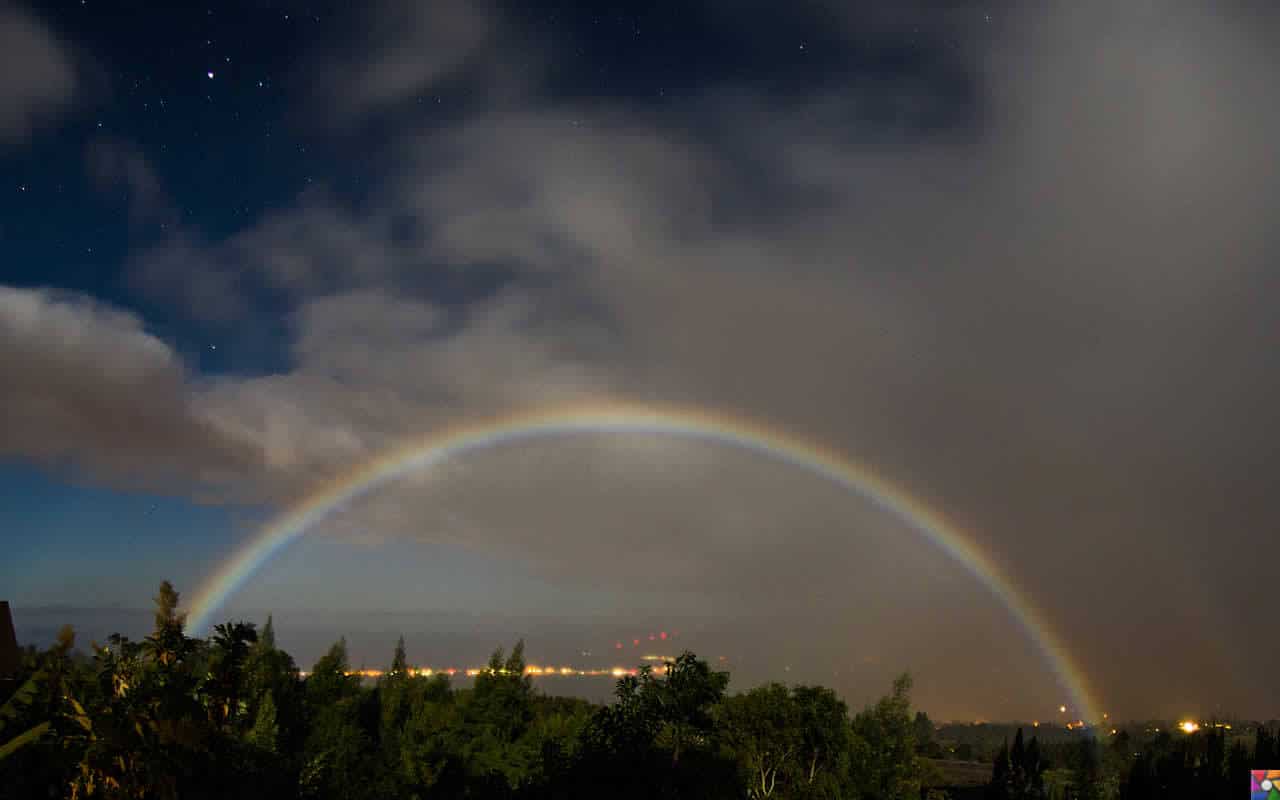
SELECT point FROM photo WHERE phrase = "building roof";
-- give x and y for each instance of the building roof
(10, 657)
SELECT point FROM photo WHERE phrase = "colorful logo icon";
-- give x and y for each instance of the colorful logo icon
(1264, 784)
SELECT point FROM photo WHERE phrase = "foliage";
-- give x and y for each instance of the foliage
(761, 728)
(1017, 772)
(885, 764)
(230, 716)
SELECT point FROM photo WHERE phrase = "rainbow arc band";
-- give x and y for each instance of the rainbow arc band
(618, 418)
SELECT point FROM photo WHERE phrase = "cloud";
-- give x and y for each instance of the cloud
(37, 74)
(114, 163)
(1052, 320)
(312, 248)
(90, 390)
(405, 50)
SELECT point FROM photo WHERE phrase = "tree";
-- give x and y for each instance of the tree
(825, 734)
(429, 746)
(1017, 772)
(1087, 773)
(496, 716)
(1266, 753)
(926, 744)
(225, 683)
(399, 661)
(337, 754)
(265, 733)
(393, 691)
(1140, 783)
(501, 699)
(626, 725)
(394, 698)
(1034, 766)
(762, 730)
(177, 717)
(1237, 765)
(1001, 785)
(167, 642)
(682, 700)
(884, 760)
(167, 616)
(1213, 766)
(271, 672)
(144, 730)
(1017, 767)
(329, 682)
(267, 637)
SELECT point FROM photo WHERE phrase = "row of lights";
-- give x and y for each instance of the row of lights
(1186, 726)
(532, 670)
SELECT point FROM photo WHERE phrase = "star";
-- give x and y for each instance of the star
(210, 74)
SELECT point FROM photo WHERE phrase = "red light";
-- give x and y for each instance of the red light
(635, 642)
(652, 637)
(618, 646)
(663, 636)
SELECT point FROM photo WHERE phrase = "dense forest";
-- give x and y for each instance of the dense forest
(232, 716)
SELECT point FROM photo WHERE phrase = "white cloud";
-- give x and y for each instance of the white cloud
(86, 387)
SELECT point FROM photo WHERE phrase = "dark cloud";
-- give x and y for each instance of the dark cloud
(405, 50)
(37, 74)
(313, 248)
(116, 164)
(1054, 322)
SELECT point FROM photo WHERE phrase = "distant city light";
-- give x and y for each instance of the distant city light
(1188, 726)
(1062, 709)
(532, 670)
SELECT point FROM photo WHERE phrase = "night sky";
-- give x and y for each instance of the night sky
(1020, 262)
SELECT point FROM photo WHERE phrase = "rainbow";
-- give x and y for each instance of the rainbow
(619, 418)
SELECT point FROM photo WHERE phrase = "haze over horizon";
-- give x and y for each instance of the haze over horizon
(1019, 263)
